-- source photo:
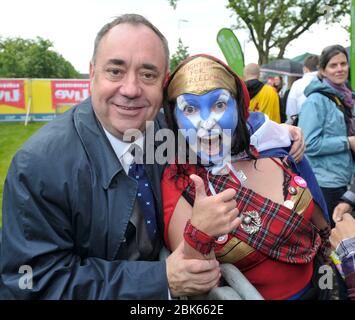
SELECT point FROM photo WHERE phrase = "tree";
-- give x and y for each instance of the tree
(275, 23)
(180, 54)
(25, 58)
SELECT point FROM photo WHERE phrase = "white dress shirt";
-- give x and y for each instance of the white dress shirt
(296, 96)
(121, 149)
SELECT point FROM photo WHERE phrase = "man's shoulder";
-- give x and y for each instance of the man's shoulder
(55, 133)
(55, 144)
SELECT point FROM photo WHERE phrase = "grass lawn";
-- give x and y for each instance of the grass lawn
(12, 137)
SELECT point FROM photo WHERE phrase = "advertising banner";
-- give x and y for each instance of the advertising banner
(12, 93)
(232, 50)
(70, 92)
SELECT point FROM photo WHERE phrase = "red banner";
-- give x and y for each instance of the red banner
(12, 93)
(69, 91)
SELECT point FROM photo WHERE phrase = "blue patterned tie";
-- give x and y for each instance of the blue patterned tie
(145, 197)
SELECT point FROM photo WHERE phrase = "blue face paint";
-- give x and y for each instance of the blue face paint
(208, 115)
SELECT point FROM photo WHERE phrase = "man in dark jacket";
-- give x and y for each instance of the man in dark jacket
(72, 228)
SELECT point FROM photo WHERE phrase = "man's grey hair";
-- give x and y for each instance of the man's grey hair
(133, 19)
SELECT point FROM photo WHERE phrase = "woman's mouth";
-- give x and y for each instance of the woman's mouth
(210, 144)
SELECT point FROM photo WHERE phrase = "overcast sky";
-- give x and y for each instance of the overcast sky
(72, 26)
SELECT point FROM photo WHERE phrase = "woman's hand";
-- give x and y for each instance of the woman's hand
(215, 215)
(339, 211)
(344, 229)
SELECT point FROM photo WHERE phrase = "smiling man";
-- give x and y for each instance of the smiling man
(84, 219)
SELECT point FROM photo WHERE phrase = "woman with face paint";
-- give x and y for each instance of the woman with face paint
(258, 210)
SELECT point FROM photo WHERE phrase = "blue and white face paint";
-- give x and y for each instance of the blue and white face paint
(208, 122)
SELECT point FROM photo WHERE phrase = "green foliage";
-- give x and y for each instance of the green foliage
(275, 23)
(26, 58)
(12, 137)
(180, 54)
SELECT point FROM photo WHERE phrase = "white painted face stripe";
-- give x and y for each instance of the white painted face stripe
(181, 104)
(223, 97)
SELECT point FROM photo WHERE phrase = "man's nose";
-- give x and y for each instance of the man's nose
(130, 87)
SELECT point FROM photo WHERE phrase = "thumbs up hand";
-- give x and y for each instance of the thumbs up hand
(215, 215)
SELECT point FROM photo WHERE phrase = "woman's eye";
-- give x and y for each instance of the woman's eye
(220, 106)
(189, 109)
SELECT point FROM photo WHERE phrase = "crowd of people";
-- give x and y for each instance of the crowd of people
(87, 210)
(321, 103)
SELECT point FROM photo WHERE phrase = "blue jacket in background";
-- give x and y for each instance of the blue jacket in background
(325, 133)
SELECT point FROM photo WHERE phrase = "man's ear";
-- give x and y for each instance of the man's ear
(91, 74)
(92, 71)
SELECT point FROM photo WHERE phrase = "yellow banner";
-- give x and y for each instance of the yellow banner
(19, 97)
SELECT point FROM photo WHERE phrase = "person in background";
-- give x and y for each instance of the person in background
(326, 120)
(296, 96)
(263, 96)
(278, 84)
(290, 82)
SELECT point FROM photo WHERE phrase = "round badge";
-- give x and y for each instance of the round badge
(289, 204)
(300, 181)
(292, 190)
(222, 239)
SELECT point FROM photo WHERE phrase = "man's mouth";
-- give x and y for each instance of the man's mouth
(128, 111)
(128, 108)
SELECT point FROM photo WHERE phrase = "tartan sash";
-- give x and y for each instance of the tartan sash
(284, 234)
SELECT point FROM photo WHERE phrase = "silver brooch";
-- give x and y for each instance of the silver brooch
(251, 221)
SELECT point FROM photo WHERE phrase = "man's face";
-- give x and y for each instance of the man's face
(208, 122)
(127, 78)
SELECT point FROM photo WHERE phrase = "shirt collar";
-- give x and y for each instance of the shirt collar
(121, 149)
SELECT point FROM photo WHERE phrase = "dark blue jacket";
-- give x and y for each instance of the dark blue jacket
(67, 203)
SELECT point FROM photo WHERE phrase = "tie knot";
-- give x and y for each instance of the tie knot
(136, 152)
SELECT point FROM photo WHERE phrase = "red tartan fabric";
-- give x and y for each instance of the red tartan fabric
(197, 239)
(284, 235)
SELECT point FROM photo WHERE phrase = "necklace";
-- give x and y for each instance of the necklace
(226, 169)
